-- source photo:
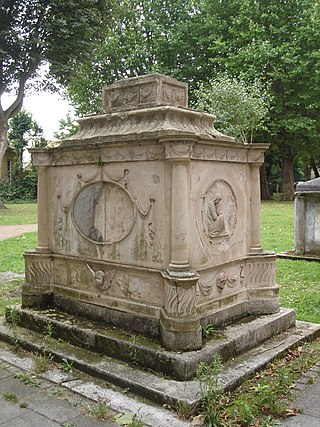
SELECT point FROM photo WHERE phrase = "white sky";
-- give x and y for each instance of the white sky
(46, 108)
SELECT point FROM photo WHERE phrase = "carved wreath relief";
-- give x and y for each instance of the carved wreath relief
(219, 211)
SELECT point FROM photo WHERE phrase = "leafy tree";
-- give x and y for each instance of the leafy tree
(278, 42)
(274, 41)
(240, 108)
(23, 129)
(62, 33)
(139, 41)
(67, 127)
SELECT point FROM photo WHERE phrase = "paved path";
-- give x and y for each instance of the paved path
(308, 401)
(7, 231)
(43, 405)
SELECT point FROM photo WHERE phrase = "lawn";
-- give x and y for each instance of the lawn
(22, 213)
(299, 281)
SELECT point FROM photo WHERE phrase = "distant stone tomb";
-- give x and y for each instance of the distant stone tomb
(149, 219)
(307, 218)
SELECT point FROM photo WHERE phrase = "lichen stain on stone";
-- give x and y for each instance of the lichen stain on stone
(113, 251)
(141, 246)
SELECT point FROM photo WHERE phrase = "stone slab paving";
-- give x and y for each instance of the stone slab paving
(307, 400)
(77, 393)
(42, 408)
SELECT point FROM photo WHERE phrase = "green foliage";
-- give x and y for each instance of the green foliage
(10, 294)
(11, 397)
(27, 378)
(24, 131)
(67, 365)
(60, 31)
(127, 420)
(134, 351)
(43, 362)
(99, 411)
(140, 40)
(21, 187)
(48, 330)
(269, 43)
(207, 330)
(13, 317)
(241, 108)
(67, 127)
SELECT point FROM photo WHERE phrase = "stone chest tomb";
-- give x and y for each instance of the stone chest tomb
(307, 218)
(149, 219)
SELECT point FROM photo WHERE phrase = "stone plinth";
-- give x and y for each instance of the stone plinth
(150, 219)
(307, 218)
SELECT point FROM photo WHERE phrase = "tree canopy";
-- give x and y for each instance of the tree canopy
(23, 130)
(62, 33)
(241, 108)
(275, 42)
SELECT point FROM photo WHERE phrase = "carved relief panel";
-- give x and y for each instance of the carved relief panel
(100, 213)
(262, 272)
(221, 282)
(39, 271)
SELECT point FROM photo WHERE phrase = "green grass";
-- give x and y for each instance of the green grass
(17, 214)
(299, 281)
(11, 251)
(277, 227)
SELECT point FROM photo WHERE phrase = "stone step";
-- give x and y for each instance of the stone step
(228, 342)
(155, 387)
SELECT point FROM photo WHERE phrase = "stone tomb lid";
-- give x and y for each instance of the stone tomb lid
(146, 91)
(309, 186)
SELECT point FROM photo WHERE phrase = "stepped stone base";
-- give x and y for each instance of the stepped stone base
(251, 341)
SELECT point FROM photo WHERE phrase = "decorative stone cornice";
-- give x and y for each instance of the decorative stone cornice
(146, 123)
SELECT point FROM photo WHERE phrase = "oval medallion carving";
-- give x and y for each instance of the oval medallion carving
(219, 211)
(104, 212)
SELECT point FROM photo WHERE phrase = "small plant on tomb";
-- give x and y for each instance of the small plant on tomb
(14, 319)
(130, 420)
(48, 330)
(67, 365)
(43, 362)
(184, 410)
(134, 352)
(207, 330)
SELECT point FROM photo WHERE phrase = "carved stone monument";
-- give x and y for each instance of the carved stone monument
(149, 219)
(307, 218)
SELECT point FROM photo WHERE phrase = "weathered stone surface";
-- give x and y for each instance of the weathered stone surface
(307, 218)
(149, 219)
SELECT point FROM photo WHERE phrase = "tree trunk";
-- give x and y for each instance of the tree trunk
(314, 168)
(264, 184)
(3, 146)
(287, 178)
